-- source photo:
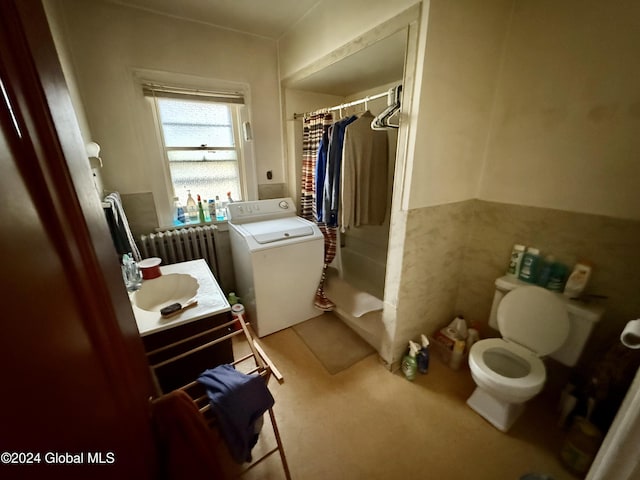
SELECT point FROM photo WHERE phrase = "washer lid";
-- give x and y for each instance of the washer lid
(277, 230)
(534, 318)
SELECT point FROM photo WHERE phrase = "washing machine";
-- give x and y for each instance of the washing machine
(278, 259)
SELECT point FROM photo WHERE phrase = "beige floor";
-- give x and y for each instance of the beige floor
(367, 423)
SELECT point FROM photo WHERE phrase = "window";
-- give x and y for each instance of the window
(200, 136)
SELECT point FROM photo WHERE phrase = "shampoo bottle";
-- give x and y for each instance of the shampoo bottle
(409, 362)
(529, 269)
(577, 280)
(423, 355)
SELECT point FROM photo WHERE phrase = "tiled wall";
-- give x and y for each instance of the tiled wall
(454, 252)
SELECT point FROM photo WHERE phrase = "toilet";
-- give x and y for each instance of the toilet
(534, 322)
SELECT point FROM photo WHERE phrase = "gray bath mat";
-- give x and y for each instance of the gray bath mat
(332, 342)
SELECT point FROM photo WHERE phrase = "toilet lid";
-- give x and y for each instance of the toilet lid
(534, 318)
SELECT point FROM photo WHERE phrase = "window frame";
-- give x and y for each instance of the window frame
(236, 126)
(157, 159)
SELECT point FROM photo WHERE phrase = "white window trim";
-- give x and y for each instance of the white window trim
(160, 176)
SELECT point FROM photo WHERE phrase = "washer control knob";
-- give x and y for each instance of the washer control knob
(284, 205)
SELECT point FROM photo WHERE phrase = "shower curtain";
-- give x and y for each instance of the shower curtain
(315, 134)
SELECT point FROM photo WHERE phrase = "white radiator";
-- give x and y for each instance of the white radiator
(181, 245)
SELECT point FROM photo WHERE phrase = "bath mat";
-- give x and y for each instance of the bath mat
(348, 298)
(333, 343)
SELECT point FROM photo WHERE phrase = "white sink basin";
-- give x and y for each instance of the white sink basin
(165, 290)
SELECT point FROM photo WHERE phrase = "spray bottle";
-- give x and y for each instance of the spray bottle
(423, 355)
(409, 362)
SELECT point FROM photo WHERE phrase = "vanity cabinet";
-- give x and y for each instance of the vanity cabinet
(192, 326)
(188, 368)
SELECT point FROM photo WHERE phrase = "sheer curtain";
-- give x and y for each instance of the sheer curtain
(313, 160)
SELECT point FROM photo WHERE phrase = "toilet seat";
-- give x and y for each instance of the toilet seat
(534, 318)
(523, 387)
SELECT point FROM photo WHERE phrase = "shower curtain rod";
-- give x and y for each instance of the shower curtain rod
(343, 105)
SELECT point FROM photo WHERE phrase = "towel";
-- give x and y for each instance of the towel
(119, 227)
(186, 445)
(238, 401)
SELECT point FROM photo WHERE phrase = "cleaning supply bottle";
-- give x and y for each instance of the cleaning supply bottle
(409, 362)
(423, 355)
(458, 354)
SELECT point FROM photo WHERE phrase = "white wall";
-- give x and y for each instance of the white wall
(108, 42)
(332, 24)
(566, 122)
(456, 81)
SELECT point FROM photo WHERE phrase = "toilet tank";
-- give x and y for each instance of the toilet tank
(582, 319)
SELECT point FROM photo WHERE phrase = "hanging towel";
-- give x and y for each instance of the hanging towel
(238, 401)
(187, 447)
(119, 226)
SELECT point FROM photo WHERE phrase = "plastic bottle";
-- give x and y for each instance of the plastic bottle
(220, 214)
(557, 277)
(423, 355)
(544, 270)
(229, 199)
(178, 215)
(192, 208)
(212, 209)
(473, 337)
(458, 354)
(578, 280)
(461, 328)
(529, 268)
(201, 216)
(516, 260)
(409, 362)
(233, 299)
(131, 273)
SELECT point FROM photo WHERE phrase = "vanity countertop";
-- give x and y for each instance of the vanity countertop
(211, 300)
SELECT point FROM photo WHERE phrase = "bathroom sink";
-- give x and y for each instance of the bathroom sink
(165, 290)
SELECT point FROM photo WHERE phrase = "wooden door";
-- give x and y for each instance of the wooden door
(75, 385)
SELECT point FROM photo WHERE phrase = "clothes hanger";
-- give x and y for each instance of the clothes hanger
(381, 122)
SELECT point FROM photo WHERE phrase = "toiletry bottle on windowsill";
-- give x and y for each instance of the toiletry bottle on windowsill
(192, 208)
(200, 210)
(220, 213)
(178, 218)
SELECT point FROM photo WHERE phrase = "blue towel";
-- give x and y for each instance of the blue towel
(238, 401)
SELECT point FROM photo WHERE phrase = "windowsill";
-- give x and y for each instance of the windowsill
(190, 225)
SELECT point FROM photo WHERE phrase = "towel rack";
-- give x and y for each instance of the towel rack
(263, 366)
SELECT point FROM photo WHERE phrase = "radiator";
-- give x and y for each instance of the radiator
(181, 245)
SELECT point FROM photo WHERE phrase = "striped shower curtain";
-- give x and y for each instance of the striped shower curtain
(315, 126)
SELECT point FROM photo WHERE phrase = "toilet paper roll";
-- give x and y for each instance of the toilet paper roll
(630, 336)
